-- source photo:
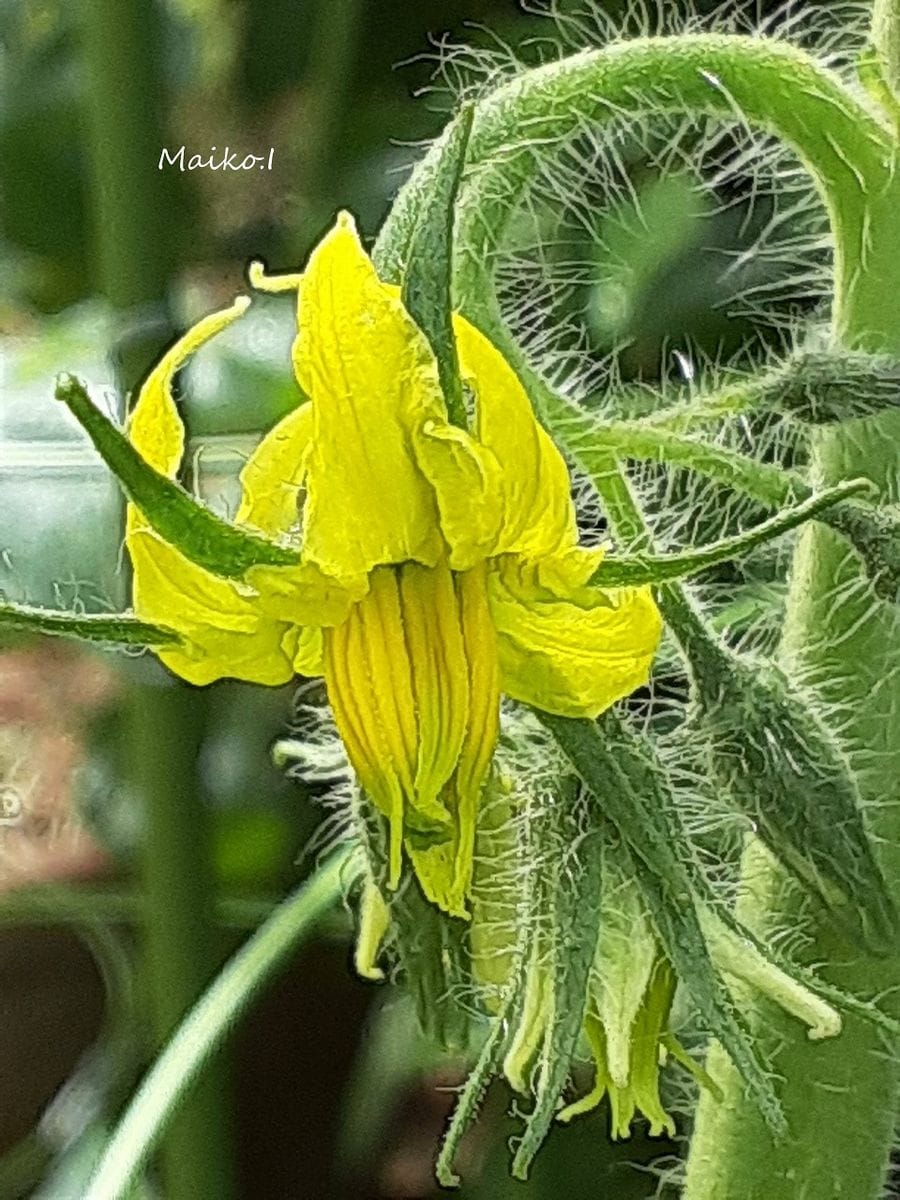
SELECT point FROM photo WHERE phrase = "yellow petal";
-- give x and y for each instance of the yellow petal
(468, 491)
(534, 1022)
(467, 717)
(538, 517)
(572, 655)
(504, 488)
(225, 635)
(272, 502)
(371, 378)
(272, 477)
(374, 923)
(155, 428)
(309, 656)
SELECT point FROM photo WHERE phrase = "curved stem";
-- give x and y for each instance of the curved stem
(210, 1021)
(765, 83)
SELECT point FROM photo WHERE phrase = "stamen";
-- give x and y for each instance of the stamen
(413, 681)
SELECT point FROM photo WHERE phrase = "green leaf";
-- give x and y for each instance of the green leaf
(622, 771)
(201, 536)
(621, 570)
(120, 629)
(426, 288)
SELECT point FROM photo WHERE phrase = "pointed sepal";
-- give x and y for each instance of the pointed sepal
(633, 570)
(198, 534)
(426, 289)
(779, 765)
(118, 629)
(620, 767)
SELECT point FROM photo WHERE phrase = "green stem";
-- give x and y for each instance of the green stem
(886, 42)
(769, 84)
(123, 44)
(122, 47)
(839, 1098)
(180, 935)
(209, 1023)
(60, 904)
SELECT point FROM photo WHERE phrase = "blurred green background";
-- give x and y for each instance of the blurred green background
(145, 829)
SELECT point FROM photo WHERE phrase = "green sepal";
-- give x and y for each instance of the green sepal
(198, 534)
(780, 766)
(588, 439)
(471, 1096)
(623, 773)
(828, 387)
(572, 905)
(429, 946)
(621, 570)
(875, 536)
(426, 289)
(120, 629)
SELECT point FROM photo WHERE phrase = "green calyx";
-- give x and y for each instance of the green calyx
(426, 290)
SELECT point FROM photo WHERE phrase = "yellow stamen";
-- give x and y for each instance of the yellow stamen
(413, 681)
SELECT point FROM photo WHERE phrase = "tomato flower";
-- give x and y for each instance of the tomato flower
(438, 566)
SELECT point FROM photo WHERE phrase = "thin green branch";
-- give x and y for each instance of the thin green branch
(211, 1020)
(767, 83)
(58, 904)
(587, 437)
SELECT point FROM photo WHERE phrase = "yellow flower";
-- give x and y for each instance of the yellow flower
(439, 566)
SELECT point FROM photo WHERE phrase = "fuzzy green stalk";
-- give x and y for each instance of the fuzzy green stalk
(181, 942)
(121, 42)
(838, 1098)
(841, 1102)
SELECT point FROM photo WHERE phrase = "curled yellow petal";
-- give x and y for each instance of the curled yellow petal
(537, 514)
(155, 428)
(224, 632)
(572, 655)
(374, 923)
(272, 477)
(309, 657)
(502, 488)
